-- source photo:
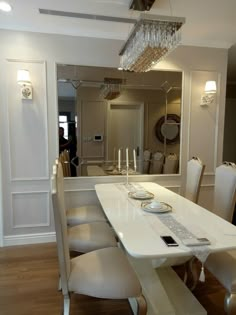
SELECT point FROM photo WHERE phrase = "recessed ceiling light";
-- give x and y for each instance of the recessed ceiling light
(4, 6)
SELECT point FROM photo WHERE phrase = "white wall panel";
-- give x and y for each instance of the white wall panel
(203, 122)
(27, 123)
(206, 196)
(30, 209)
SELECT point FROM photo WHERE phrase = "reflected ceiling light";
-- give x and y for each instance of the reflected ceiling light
(111, 88)
(152, 38)
(4, 6)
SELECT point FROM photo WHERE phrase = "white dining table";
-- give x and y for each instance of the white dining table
(140, 232)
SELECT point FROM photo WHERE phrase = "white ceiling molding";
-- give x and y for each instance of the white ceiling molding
(87, 16)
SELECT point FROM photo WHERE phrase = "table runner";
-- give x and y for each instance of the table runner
(178, 229)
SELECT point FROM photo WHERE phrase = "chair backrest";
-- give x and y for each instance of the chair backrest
(157, 163)
(146, 161)
(171, 164)
(62, 245)
(225, 190)
(64, 158)
(195, 170)
(62, 211)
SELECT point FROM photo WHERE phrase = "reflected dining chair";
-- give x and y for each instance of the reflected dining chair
(104, 273)
(223, 265)
(157, 163)
(195, 170)
(146, 161)
(171, 164)
(85, 237)
(83, 214)
(64, 158)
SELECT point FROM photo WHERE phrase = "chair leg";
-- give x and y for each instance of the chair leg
(66, 306)
(191, 274)
(59, 284)
(142, 305)
(230, 303)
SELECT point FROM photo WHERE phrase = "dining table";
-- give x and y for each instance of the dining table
(141, 213)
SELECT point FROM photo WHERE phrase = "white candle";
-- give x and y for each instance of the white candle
(127, 157)
(135, 164)
(114, 156)
(119, 159)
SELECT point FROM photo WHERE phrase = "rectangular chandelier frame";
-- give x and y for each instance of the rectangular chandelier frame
(152, 38)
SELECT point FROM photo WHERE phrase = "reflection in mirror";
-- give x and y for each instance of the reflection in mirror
(103, 111)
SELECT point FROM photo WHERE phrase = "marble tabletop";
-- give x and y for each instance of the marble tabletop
(139, 231)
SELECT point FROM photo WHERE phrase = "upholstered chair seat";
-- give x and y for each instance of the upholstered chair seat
(85, 238)
(82, 214)
(85, 214)
(223, 266)
(104, 273)
(90, 234)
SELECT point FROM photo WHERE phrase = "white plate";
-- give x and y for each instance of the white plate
(148, 206)
(141, 196)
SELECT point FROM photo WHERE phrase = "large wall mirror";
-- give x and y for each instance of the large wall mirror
(104, 110)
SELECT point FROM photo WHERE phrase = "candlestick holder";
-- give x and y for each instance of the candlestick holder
(127, 175)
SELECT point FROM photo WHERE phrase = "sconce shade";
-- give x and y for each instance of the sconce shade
(23, 77)
(210, 87)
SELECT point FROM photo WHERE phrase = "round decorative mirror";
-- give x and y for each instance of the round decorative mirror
(168, 127)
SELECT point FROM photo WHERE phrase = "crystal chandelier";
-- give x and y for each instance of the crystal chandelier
(152, 38)
(111, 88)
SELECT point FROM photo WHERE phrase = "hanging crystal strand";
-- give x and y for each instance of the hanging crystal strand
(202, 274)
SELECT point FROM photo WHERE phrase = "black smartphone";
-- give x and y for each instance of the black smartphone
(169, 240)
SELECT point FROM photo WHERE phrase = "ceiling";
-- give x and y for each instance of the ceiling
(209, 23)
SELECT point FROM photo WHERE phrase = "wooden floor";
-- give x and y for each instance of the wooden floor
(29, 279)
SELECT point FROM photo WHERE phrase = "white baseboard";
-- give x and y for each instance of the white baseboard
(24, 239)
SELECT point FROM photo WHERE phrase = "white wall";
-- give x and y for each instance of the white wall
(25, 173)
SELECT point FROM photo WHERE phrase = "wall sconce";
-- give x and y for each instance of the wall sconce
(209, 96)
(23, 79)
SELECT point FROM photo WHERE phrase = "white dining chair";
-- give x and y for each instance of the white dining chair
(224, 192)
(83, 214)
(223, 265)
(195, 170)
(104, 273)
(85, 237)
